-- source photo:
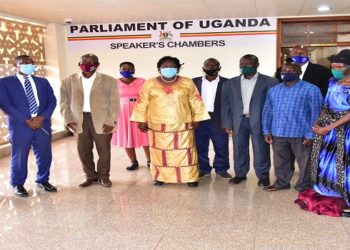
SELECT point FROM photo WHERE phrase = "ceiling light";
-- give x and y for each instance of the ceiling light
(323, 8)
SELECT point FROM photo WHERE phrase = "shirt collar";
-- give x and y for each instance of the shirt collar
(251, 79)
(22, 77)
(204, 79)
(304, 66)
(93, 77)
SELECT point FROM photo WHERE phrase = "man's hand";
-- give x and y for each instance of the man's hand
(320, 130)
(307, 142)
(229, 131)
(194, 125)
(143, 126)
(35, 122)
(72, 126)
(107, 129)
(268, 139)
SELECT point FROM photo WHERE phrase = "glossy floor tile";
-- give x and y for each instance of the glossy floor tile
(134, 214)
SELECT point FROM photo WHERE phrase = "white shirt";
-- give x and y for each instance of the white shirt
(247, 87)
(87, 85)
(35, 92)
(209, 92)
(303, 69)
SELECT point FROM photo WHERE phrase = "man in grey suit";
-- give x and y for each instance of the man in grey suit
(242, 102)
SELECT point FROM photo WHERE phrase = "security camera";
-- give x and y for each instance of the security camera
(68, 21)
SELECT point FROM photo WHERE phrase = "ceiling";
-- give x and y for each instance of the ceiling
(100, 11)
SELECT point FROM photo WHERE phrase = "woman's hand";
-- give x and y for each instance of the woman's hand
(321, 130)
(143, 126)
(194, 125)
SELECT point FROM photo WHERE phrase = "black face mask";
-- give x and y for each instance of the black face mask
(211, 72)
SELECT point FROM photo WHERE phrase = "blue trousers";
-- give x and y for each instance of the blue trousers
(204, 133)
(22, 140)
(261, 152)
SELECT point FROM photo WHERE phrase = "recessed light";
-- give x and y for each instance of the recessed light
(323, 8)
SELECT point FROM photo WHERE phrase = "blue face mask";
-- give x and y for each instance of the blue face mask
(290, 77)
(339, 74)
(300, 59)
(127, 74)
(27, 69)
(168, 72)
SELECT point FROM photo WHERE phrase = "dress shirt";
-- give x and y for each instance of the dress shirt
(247, 87)
(303, 69)
(209, 92)
(292, 111)
(87, 85)
(30, 78)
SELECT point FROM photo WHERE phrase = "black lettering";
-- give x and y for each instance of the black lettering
(241, 22)
(93, 28)
(161, 45)
(151, 26)
(73, 28)
(228, 23)
(113, 46)
(141, 27)
(178, 25)
(83, 29)
(102, 29)
(162, 25)
(204, 24)
(216, 24)
(222, 43)
(129, 27)
(265, 21)
(118, 27)
(252, 22)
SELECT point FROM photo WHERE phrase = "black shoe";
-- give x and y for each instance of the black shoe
(264, 182)
(158, 183)
(192, 184)
(224, 175)
(134, 166)
(20, 191)
(149, 164)
(201, 174)
(47, 187)
(237, 180)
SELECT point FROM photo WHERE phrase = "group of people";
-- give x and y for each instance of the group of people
(174, 118)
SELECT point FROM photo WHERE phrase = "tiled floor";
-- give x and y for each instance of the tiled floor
(134, 214)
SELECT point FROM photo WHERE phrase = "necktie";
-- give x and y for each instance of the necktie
(33, 106)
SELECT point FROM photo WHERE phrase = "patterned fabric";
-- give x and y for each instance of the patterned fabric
(33, 106)
(291, 111)
(330, 158)
(173, 153)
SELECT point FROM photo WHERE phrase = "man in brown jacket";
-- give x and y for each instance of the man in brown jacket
(90, 107)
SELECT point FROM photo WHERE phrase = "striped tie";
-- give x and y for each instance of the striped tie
(33, 106)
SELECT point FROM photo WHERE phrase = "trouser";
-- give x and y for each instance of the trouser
(282, 149)
(85, 146)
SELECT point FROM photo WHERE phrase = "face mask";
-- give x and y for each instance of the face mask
(168, 72)
(27, 69)
(88, 67)
(300, 59)
(248, 70)
(290, 77)
(210, 72)
(127, 74)
(339, 74)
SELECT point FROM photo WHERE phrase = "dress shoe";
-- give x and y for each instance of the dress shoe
(134, 165)
(201, 174)
(106, 182)
(149, 164)
(192, 184)
(47, 187)
(224, 175)
(273, 188)
(264, 182)
(87, 182)
(20, 191)
(158, 183)
(237, 180)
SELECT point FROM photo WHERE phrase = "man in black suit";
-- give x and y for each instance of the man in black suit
(210, 87)
(311, 72)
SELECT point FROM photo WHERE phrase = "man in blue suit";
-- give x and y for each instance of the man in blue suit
(242, 102)
(210, 87)
(29, 102)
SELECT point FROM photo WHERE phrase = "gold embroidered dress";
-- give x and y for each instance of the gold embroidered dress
(169, 111)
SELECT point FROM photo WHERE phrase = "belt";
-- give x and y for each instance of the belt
(132, 99)
(86, 113)
(246, 115)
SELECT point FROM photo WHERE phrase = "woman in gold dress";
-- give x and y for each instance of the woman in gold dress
(169, 107)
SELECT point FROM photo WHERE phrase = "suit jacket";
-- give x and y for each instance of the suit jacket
(216, 115)
(104, 101)
(315, 74)
(13, 101)
(232, 104)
